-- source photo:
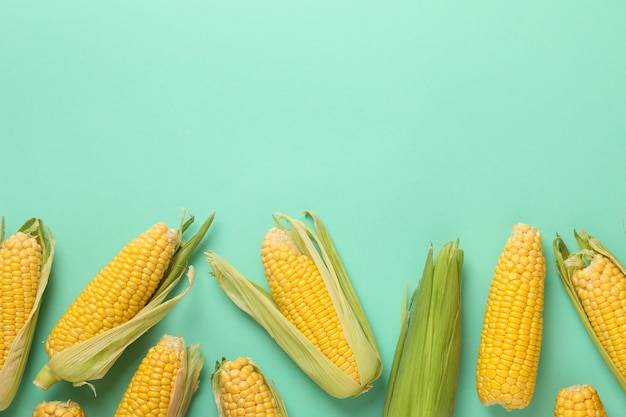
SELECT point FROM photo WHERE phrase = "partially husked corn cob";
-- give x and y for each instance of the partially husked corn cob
(300, 292)
(595, 281)
(601, 287)
(164, 382)
(58, 409)
(122, 302)
(510, 342)
(578, 401)
(119, 291)
(20, 269)
(241, 389)
(311, 309)
(25, 264)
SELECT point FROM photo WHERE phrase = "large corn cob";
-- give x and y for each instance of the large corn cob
(25, 263)
(120, 303)
(333, 346)
(164, 382)
(241, 389)
(578, 401)
(510, 342)
(424, 375)
(58, 409)
(595, 281)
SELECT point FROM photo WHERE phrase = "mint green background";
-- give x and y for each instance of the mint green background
(401, 123)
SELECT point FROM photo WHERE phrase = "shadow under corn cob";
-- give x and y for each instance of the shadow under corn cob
(311, 310)
(595, 282)
(424, 375)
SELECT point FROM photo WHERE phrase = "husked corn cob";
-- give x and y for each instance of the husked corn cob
(595, 282)
(25, 264)
(58, 409)
(601, 287)
(510, 343)
(123, 301)
(300, 292)
(578, 401)
(311, 309)
(119, 291)
(151, 387)
(20, 270)
(241, 389)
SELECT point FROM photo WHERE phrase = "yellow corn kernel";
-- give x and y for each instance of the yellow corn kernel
(243, 391)
(150, 390)
(508, 355)
(578, 401)
(300, 292)
(119, 291)
(601, 287)
(58, 409)
(20, 270)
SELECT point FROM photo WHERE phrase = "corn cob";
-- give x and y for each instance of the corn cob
(25, 264)
(307, 282)
(595, 281)
(300, 292)
(241, 389)
(424, 375)
(164, 382)
(578, 401)
(120, 303)
(510, 343)
(58, 409)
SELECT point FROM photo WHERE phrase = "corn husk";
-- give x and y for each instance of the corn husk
(91, 359)
(258, 303)
(424, 375)
(567, 264)
(13, 368)
(217, 394)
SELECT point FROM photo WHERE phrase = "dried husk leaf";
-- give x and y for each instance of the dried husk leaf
(91, 359)
(258, 303)
(424, 375)
(13, 368)
(217, 394)
(187, 381)
(567, 264)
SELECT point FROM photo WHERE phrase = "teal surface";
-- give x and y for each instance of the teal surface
(400, 123)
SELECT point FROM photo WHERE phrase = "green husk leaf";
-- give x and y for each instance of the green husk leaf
(92, 358)
(19, 351)
(424, 375)
(258, 303)
(567, 264)
(217, 394)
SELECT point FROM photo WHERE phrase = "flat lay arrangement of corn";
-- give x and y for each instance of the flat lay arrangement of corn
(312, 312)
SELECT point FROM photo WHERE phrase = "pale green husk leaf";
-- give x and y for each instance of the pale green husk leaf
(567, 264)
(187, 381)
(424, 375)
(217, 394)
(13, 368)
(258, 303)
(91, 359)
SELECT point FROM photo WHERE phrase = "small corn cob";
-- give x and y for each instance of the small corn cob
(58, 409)
(334, 346)
(578, 401)
(25, 264)
(595, 281)
(164, 381)
(241, 389)
(510, 343)
(424, 375)
(121, 302)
